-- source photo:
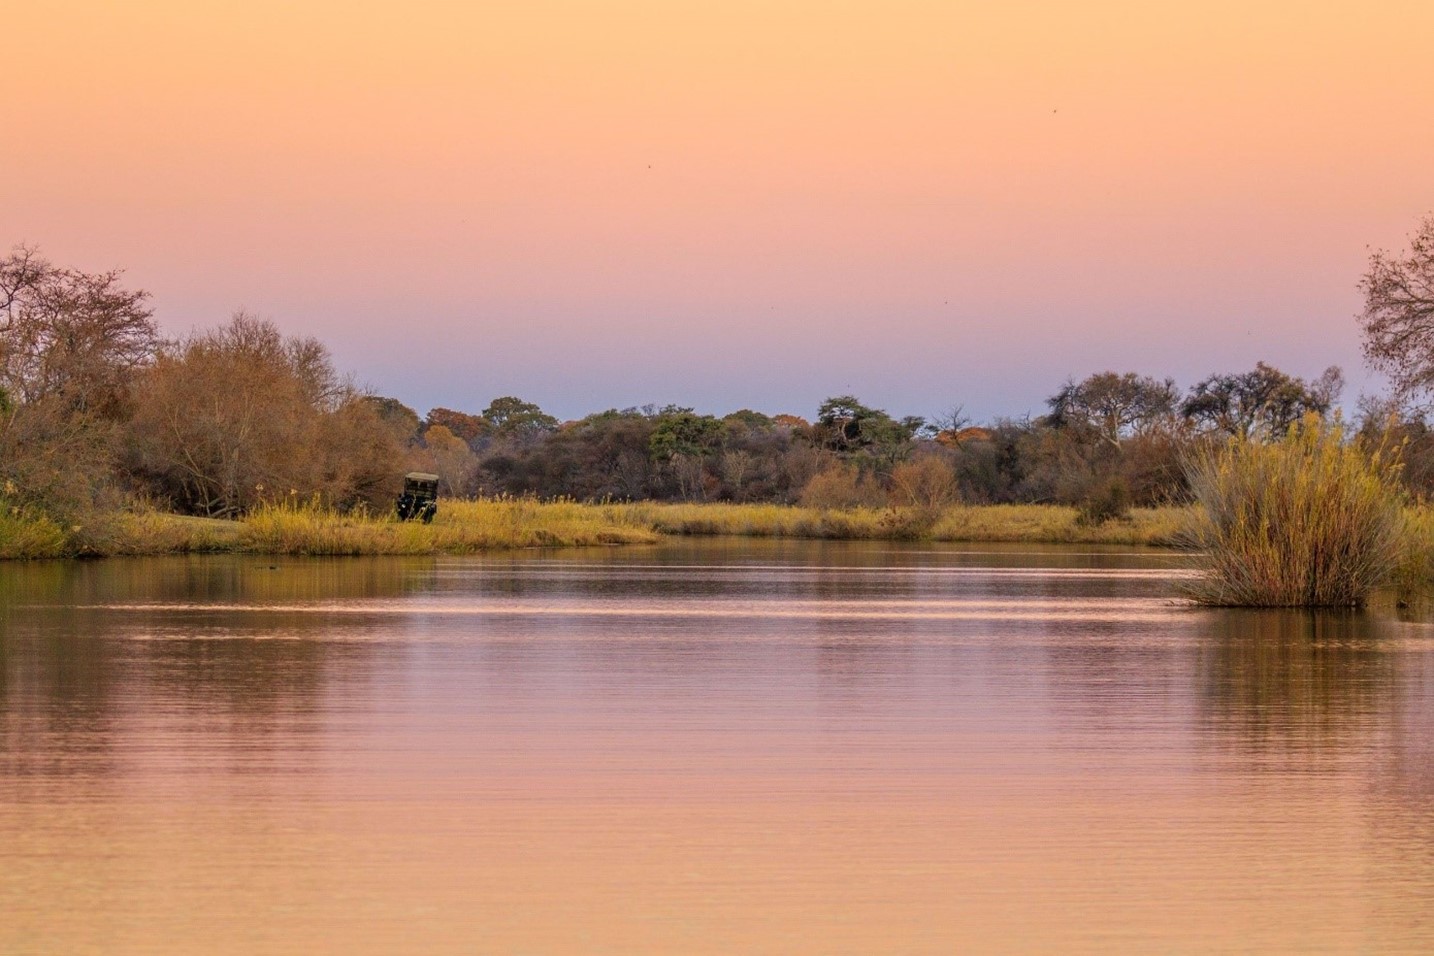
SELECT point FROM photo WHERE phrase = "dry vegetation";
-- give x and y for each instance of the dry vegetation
(1272, 535)
(1413, 577)
(25, 533)
(1308, 521)
(1050, 524)
(464, 527)
(106, 428)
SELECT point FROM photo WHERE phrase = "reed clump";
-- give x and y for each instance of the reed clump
(1307, 521)
(1413, 578)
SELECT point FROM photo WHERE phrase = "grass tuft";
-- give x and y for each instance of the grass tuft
(1309, 521)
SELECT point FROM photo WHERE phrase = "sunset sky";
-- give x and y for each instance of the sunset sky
(734, 204)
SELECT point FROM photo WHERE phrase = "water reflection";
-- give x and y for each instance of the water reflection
(56, 585)
(721, 746)
(87, 688)
(1290, 679)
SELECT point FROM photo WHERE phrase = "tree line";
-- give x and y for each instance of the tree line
(97, 409)
(1123, 429)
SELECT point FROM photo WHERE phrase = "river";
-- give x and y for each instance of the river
(703, 746)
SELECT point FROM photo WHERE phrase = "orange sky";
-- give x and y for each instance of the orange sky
(725, 204)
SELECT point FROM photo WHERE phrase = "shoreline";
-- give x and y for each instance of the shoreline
(473, 526)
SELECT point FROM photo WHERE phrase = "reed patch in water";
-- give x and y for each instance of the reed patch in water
(1307, 521)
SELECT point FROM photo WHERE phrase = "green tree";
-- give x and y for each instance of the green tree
(396, 416)
(1263, 401)
(846, 426)
(514, 418)
(681, 431)
(747, 419)
(681, 442)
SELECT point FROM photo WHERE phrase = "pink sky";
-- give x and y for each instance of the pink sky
(739, 204)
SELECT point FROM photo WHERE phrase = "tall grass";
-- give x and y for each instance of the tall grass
(1058, 524)
(1413, 580)
(27, 534)
(308, 528)
(142, 530)
(1308, 521)
(462, 527)
(1052, 524)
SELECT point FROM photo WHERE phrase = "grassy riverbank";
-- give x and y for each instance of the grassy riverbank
(1036, 524)
(464, 527)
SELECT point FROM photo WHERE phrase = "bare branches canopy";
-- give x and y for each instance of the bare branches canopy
(241, 414)
(1398, 316)
(71, 345)
(69, 333)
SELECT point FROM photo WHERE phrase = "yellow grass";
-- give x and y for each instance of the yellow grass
(493, 524)
(146, 531)
(1308, 521)
(462, 527)
(1057, 524)
(1017, 523)
(1413, 577)
(26, 534)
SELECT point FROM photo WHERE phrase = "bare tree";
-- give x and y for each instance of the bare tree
(927, 482)
(67, 333)
(1114, 405)
(70, 345)
(20, 272)
(241, 415)
(449, 457)
(949, 422)
(1398, 316)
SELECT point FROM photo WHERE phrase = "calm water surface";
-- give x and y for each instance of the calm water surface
(716, 747)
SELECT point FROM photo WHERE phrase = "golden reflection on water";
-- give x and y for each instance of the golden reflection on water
(768, 747)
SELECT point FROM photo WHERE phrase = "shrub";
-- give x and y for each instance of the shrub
(1303, 522)
(1107, 501)
(841, 486)
(926, 482)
